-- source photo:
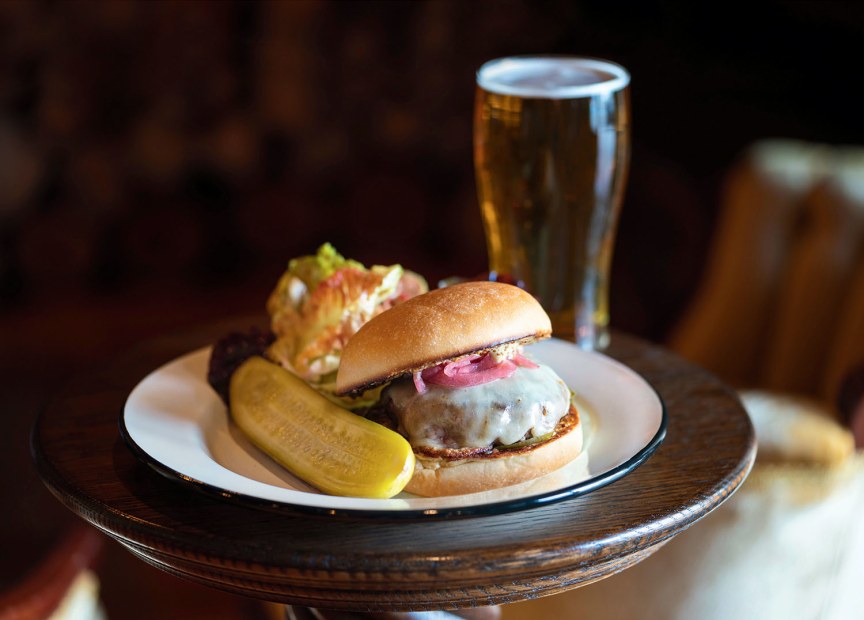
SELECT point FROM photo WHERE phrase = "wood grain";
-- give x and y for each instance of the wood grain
(383, 565)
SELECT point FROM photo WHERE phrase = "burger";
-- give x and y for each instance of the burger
(479, 414)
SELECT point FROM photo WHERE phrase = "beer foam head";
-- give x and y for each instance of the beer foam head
(552, 77)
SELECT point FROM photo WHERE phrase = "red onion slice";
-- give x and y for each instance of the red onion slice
(524, 362)
(418, 383)
(462, 365)
(469, 379)
(469, 371)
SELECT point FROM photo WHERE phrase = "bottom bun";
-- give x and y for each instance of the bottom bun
(436, 477)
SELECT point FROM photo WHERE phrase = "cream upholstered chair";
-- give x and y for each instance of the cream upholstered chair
(781, 317)
(62, 586)
(782, 306)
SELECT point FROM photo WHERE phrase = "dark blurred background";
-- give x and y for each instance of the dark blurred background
(161, 161)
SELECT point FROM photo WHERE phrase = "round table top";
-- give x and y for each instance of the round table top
(388, 565)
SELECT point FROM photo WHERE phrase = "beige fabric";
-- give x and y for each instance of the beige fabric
(797, 430)
(81, 601)
(765, 555)
(788, 545)
(782, 301)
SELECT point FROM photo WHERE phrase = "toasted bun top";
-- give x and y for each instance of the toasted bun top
(437, 326)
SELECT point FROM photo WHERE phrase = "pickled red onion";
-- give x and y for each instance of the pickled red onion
(524, 362)
(418, 383)
(472, 377)
(452, 368)
(469, 371)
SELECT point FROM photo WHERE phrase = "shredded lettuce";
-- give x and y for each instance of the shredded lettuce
(321, 301)
(306, 273)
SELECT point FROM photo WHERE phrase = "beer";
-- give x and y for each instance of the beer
(551, 139)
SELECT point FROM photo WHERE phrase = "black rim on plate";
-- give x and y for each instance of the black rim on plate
(492, 508)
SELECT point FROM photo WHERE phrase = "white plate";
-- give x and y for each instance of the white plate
(177, 424)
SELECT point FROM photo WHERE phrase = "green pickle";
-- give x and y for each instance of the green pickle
(323, 444)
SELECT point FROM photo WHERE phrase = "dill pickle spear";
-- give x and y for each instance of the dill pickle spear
(318, 441)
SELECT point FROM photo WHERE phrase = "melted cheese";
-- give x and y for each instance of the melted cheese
(527, 404)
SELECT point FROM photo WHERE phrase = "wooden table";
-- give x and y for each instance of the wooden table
(373, 564)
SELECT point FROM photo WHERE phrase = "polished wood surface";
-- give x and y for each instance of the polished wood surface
(369, 564)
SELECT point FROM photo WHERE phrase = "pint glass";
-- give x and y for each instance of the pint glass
(551, 150)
